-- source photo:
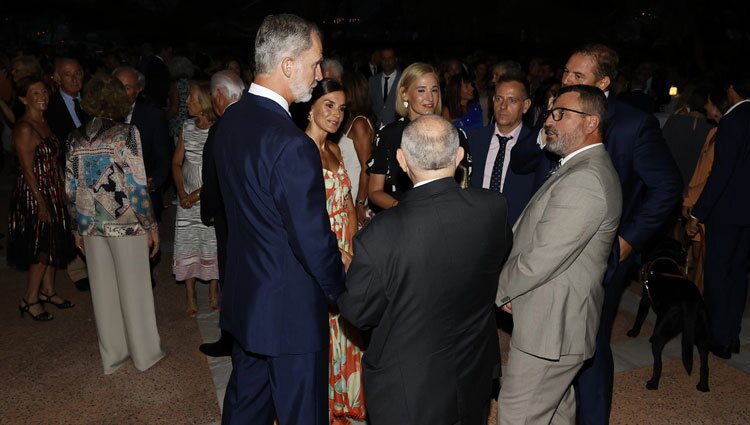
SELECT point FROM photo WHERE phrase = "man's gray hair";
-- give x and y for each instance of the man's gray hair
(228, 83)
(430, 142)
(281, 36)
(334, 67)
(139, 75)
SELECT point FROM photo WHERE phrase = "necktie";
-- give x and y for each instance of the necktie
(553, 170)
(385, 89)
(497, 167)
(79, 112)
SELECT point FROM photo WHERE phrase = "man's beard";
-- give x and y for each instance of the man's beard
(564, 141)
(300, 90)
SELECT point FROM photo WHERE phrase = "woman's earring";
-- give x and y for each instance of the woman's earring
(309, 116)
(406, 104)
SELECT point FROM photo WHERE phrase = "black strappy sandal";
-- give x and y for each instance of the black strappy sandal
(25, 307)
(48, 299)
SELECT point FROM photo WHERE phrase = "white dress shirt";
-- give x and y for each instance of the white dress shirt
(261, 91)
(569, 156)
(391, 77)
(68, 99)
(492, 154)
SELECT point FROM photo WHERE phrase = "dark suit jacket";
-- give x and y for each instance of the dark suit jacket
(212, 203)
(59, 119)
(650, 180)
(385, 111)
(518, 188)
(155, 142)
(424, 278)
(285, 267)
(724, 198)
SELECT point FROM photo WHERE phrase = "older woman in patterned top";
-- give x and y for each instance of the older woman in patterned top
(114, 226)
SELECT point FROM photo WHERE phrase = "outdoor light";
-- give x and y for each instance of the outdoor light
(673, 90)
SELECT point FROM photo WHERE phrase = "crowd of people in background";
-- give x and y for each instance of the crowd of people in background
(101, 145)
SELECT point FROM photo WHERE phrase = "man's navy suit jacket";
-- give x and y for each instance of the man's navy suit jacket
(725, 197)
(283, 263)
(518, 188)
(650, 180)
(155, 142)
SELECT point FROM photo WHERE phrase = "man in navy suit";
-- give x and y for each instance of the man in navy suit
(383, 86)
(152, 126)
(491, 166)
(651, 188)
(724, 206)
(283, 267)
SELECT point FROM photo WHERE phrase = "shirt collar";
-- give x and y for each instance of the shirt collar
(261, 91)
(569, 156)
(424, 182)
(736, 105)
(68, 97)
(389, 75)
(513, 133)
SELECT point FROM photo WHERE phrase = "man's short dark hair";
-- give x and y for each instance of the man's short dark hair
(510, 78)
(606, 58)
(593, 102)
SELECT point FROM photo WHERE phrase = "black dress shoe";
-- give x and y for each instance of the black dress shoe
(220, 348)
(82, 284)
(735, 346)
(720, 351)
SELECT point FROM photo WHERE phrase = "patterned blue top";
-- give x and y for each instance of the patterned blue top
(106, 180)
(471, 119)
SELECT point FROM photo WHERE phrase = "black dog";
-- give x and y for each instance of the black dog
(679, 307)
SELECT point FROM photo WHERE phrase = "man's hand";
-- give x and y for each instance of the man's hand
(153, 241)
(362, 217)
(691, 227)
(507, 308)
(625, 248)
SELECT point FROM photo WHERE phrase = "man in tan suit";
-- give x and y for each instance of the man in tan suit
(554, 272)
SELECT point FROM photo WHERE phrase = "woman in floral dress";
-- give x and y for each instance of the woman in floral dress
(345, 398)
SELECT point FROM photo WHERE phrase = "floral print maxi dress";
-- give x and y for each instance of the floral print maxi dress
(345, 398)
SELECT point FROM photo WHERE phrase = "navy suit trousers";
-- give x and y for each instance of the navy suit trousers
(293, 388)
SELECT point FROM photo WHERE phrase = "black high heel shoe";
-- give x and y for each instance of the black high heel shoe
(25, 307)
(48, 299)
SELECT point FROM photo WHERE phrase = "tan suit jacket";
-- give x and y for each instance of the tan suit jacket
(561, 243)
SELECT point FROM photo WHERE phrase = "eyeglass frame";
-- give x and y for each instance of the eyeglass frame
(551, 112)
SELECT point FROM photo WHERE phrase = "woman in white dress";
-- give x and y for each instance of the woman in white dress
(194, 243)
(356, 142)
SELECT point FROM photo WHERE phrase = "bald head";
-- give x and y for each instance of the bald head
(129, 77)
(429, 148)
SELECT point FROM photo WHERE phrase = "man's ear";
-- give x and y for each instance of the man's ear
(592, 124)
(287, 65)
(603, 84)
(459, 155)
(402, 160)
(526, 105)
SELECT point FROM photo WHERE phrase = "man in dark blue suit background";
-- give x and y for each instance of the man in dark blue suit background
(283, 266)
(724, 206)
(491, 168)
(651, 188)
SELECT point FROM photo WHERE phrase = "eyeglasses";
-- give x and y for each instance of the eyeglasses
(558, 113)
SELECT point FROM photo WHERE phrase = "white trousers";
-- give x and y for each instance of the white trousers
(123, 301)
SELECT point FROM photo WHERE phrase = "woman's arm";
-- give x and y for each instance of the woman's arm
(25, 141)
(361, 134)
(135, 174)
(377, 194)
(179, 182)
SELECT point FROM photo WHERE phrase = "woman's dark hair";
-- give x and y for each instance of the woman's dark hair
(26, 82)
(453, 92)
(697, 98)
(540, 95)
(104, 96)
(358, 101)
(325, 86)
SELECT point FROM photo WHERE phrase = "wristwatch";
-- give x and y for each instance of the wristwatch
(361, 201)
